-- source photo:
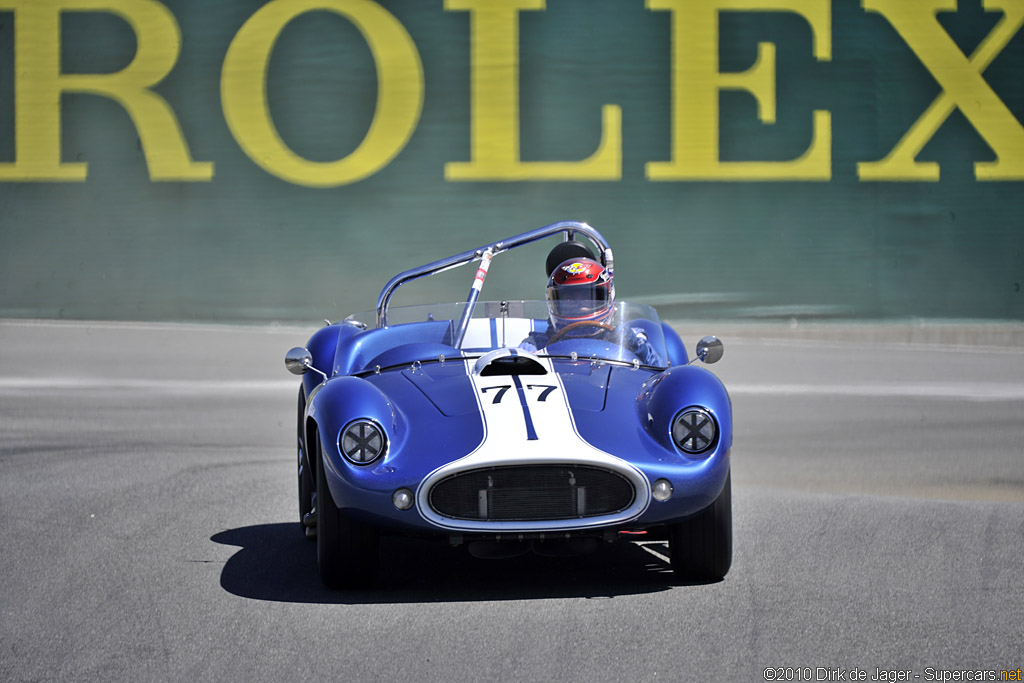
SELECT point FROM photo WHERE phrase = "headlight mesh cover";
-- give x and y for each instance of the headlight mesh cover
(362, 442)
(694, 431)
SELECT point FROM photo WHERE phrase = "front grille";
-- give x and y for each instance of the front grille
(530, 493)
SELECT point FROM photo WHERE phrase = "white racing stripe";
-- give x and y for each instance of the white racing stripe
(527, 420)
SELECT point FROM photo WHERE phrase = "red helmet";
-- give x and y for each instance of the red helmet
(580, 289)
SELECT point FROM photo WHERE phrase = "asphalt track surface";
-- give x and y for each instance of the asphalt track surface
(149, 532)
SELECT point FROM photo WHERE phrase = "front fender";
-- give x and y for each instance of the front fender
(322, 346)
(341, 400)
(665, 394)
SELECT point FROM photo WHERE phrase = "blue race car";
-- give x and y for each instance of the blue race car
(485, 423)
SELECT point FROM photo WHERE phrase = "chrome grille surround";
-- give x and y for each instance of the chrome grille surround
(530, 493)
(533, 495)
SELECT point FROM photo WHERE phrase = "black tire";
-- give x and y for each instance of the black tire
(701, 545)
(305, 475)
(347, 552)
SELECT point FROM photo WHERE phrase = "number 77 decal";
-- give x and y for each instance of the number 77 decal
(546, 390)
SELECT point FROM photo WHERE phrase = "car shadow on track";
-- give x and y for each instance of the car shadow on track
(276, 563)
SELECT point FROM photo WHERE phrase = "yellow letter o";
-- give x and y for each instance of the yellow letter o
(399, 92)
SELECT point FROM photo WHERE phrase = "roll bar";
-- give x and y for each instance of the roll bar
(569, 228)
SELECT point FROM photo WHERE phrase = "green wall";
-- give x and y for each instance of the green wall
(158, 191)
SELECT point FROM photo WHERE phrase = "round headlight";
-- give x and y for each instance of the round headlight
(362, 442)
(694, 431)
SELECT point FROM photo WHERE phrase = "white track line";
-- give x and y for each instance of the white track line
(646, 545)
(177, 386)
(970, 391)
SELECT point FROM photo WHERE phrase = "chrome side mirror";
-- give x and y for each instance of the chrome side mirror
(710, 350)
(299, 361)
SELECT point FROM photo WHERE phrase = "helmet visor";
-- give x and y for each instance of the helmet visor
(579, 301)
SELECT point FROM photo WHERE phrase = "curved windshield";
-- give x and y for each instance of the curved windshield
(631, 334)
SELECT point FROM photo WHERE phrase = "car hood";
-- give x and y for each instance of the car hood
(449, 389)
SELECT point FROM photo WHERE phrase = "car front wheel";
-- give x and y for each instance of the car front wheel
(346, 550)
(701, 546)
(305, 476)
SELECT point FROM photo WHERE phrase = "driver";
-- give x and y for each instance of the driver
(581, 301)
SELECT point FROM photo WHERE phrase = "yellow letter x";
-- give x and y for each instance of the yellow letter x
(963, 87)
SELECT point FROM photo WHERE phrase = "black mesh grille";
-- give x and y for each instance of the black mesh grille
(526, 493)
